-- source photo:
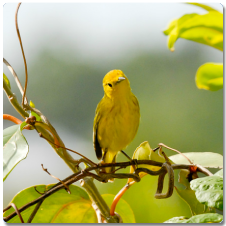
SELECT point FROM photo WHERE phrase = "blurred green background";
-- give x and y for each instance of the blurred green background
(70, 47)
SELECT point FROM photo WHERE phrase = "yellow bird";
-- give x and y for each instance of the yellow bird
(117, 118)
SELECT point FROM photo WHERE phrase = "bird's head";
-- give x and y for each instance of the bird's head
(116, 84)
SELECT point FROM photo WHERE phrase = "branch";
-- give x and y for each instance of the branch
(21, 45)
(16, 211)
(83, 174)
(15, 77)
(35, 211)
(86, 173)
(66, 187)
(57, 145)
(13, 100)
(172, 149)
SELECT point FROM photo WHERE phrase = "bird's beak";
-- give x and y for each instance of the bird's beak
(120, 79)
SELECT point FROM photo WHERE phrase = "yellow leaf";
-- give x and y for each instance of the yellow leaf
(144, 152)
(32, 104)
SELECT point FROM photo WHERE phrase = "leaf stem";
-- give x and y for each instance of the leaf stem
(117, 198)
(12, 118)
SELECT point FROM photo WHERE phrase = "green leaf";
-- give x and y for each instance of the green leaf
(32, 113)
(209, 76)
(38, 118)
(122, 208)
(15, 148)
(206, 7)
(60, 207)
(209, 190)
(6, 80)
(206, 29)
(188, 195)
(219, 173)
(201, 218)
(173, 29)
(205, 159)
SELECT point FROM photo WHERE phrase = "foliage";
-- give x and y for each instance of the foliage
(15, 148)
(188, 195)
(211, 160)
(209, 190)
(144, 152)
(60, 207)
(206, 29)
(202, 218)
(210, 76)
(6, 80)
(208, 195)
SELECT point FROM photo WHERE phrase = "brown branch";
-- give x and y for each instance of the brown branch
(15, 77)
(16, 211)
(172, 149)
(35, 211)
(58, 146)
(80, 175)
(21, 45)
(165, 168)
(54, 189)
(40, 193)
(66, 187)
(169, 169)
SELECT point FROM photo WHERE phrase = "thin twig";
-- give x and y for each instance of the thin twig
(16, 78)
(58, 146)
(78, 176)
(203, 170)
(45, 195)
(200, 169)
(40, 193)
(66, 187)
(155, 149)
(35, 211)
(16, 211)
(102, 177)
(25, 63)
(172, 149)
(128, 157)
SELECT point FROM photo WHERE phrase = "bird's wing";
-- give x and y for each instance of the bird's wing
(96, 143)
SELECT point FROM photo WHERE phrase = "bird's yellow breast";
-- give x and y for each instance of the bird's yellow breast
(119, 122)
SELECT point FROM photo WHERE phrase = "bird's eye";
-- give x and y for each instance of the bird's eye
(109, 84)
